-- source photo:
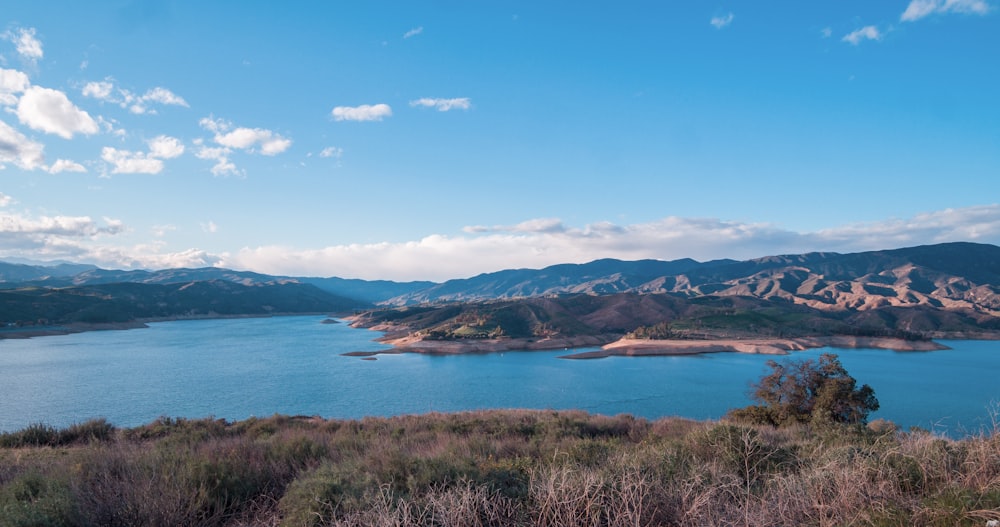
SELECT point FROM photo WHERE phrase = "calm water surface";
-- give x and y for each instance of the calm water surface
(239, 368)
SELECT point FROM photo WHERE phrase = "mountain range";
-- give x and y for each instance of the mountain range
(961, 277)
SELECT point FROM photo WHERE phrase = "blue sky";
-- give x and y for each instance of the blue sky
(435, 140)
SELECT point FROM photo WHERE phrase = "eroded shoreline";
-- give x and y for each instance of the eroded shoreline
(612, 345)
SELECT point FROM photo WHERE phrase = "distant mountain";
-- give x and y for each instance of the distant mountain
(364, 291)
(371, 291)
(599, 277)
(126, 302)
(20, 272)
(951, 275)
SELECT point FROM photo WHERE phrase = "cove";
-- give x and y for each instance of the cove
(238, 368)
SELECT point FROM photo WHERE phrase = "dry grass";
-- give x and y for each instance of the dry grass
(495, 468)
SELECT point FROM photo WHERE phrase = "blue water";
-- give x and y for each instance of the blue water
(239, 368)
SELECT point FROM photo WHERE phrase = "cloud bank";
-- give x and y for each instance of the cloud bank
(533, 243)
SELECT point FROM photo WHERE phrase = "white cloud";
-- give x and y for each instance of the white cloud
(542, 242)
(164, 96)
(165, 147)
(918, 9)
(826, 32)
(365, 112)
(99, 90)
(332, 151)
(246, 138)
(65, 165)
(254, 140)
(866, 33)
(214, 125)
(138, 104)
(210, 227)
(443, 105)
(223, 166)
(11, 82)
(5, 200)
(17, 149)
(533, 243)
(29, 47)
(51, 112)
(83, 239)
(127, 162)
(722, 21)
(29, 230)
(414, 32)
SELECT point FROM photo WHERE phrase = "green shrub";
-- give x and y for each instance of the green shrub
(325, 493)
(36, 434)
(35, 500)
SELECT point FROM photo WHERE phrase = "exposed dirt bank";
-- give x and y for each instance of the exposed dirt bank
(634, 348)
(611, 345)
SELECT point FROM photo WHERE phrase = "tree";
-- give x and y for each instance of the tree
(808, 391)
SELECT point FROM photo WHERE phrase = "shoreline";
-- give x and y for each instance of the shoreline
(140, 323)
(652, 348)
(614, 346)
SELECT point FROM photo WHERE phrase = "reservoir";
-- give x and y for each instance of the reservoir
(238, 368)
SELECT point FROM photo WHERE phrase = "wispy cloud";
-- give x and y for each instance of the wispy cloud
(443, 105)
(52, 112)
(27, 45)
(859, 35)
(918, 9)
(138, 104)
(722, 21)
(365, 112)
(332, 151)
(414, 32)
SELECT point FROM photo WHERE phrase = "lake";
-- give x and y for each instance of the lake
(237, 368)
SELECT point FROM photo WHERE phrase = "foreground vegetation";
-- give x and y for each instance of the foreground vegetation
(494, 468)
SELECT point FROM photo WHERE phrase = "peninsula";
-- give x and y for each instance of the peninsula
(632, 324)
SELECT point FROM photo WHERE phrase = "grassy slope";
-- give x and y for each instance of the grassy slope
(493, 468)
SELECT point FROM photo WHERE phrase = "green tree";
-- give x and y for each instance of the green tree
(809, 391)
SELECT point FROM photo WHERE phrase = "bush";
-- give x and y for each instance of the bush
(808, 392)
(35, 500)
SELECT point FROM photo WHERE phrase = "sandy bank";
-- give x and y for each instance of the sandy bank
(639, 348)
